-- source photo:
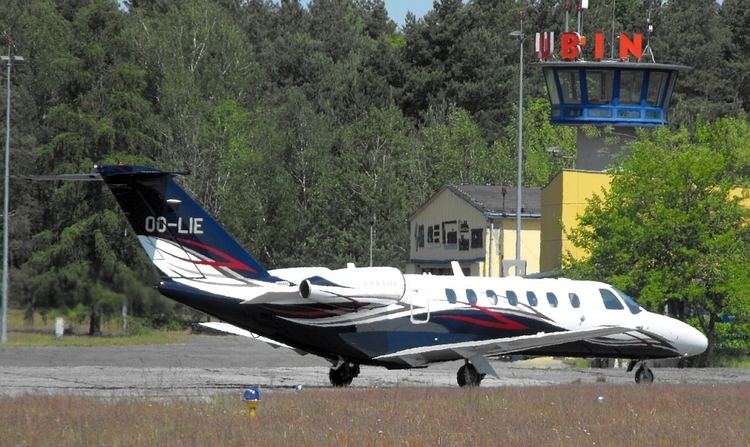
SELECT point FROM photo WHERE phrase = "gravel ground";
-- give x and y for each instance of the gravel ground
(206, 365)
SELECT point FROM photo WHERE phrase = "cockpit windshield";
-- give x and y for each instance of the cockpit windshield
(630, 302)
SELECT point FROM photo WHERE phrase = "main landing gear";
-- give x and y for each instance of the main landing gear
(468, 375)
(643, 374)
(343, 374)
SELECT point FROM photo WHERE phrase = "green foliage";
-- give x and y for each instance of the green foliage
(304, 126)
(670, 230)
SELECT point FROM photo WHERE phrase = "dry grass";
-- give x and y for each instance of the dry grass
(683, 415)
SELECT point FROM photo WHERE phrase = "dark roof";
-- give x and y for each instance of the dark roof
(489, 199)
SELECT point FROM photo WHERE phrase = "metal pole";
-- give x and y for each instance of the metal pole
(519, 150)
(6, 188)
(4, 334)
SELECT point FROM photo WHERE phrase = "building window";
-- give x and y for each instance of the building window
(630, 87)
(434, 234)
(657, 83)
(599, 84)
(463, 243)
(571, 86)
(450, 235)
(420, 236)
(477, 238)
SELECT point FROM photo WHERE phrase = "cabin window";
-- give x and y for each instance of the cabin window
(476, 237)
(451, 295)
(630, 302)
(531, 298)
(420, 236)
(512, 298)
(551, 299)
(610, 300)
(574, 300)
(471, 296)
(491, 295)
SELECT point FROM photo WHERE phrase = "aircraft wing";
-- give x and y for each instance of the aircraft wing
(232, 329)
(477, 351)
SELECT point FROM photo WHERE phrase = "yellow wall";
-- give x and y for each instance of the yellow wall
(563, 200)
(530, 242)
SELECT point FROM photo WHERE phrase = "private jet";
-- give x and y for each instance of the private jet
(377, 315)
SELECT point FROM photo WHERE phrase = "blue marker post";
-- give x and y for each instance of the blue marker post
(251, 398)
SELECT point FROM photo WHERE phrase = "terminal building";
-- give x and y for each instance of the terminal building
(476, 226)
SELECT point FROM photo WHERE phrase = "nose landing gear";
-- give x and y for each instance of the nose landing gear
(643, 374)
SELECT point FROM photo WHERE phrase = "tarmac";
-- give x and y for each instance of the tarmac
(205, 365)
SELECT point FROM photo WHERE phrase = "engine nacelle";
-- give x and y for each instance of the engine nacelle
(367, 284)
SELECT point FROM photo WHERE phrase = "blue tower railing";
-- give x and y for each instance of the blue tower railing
(610, 92)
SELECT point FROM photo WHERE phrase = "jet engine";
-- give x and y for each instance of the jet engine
(366, 284)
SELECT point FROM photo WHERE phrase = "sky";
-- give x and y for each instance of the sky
(397, 9)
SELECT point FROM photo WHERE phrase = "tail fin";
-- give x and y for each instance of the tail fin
(180, 237)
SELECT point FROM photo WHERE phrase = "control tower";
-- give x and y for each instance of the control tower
(615, 95)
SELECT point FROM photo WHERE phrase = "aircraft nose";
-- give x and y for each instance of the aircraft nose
(690, 340)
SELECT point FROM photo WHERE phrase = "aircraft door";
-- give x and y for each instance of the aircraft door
(415, 294)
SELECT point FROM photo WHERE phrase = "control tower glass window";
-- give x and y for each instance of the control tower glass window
(570, 85)
(599, 86)
(630, 86)
(657, 83)
(554, 96)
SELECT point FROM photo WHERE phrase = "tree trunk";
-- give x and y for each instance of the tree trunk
(95, 323)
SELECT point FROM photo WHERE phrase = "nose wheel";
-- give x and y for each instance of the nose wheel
(643, 374)
(468, 376)
(343, 374)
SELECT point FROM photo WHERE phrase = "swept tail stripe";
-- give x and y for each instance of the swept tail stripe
(232, 263)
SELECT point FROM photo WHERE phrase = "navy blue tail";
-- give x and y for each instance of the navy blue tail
(159, 209)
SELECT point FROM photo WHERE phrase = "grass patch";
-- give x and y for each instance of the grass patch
(569, 415)
(41, 332)
(32, 339)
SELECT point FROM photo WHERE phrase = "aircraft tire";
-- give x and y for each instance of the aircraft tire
(343, 375)
(644, 375)
(468, 376)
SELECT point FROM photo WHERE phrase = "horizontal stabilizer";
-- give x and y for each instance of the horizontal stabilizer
(92, 177)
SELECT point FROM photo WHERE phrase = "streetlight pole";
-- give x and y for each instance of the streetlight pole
(519, 145)
(9, 59)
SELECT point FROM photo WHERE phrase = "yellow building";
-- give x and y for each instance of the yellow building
(474, 225)
(564, 199)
